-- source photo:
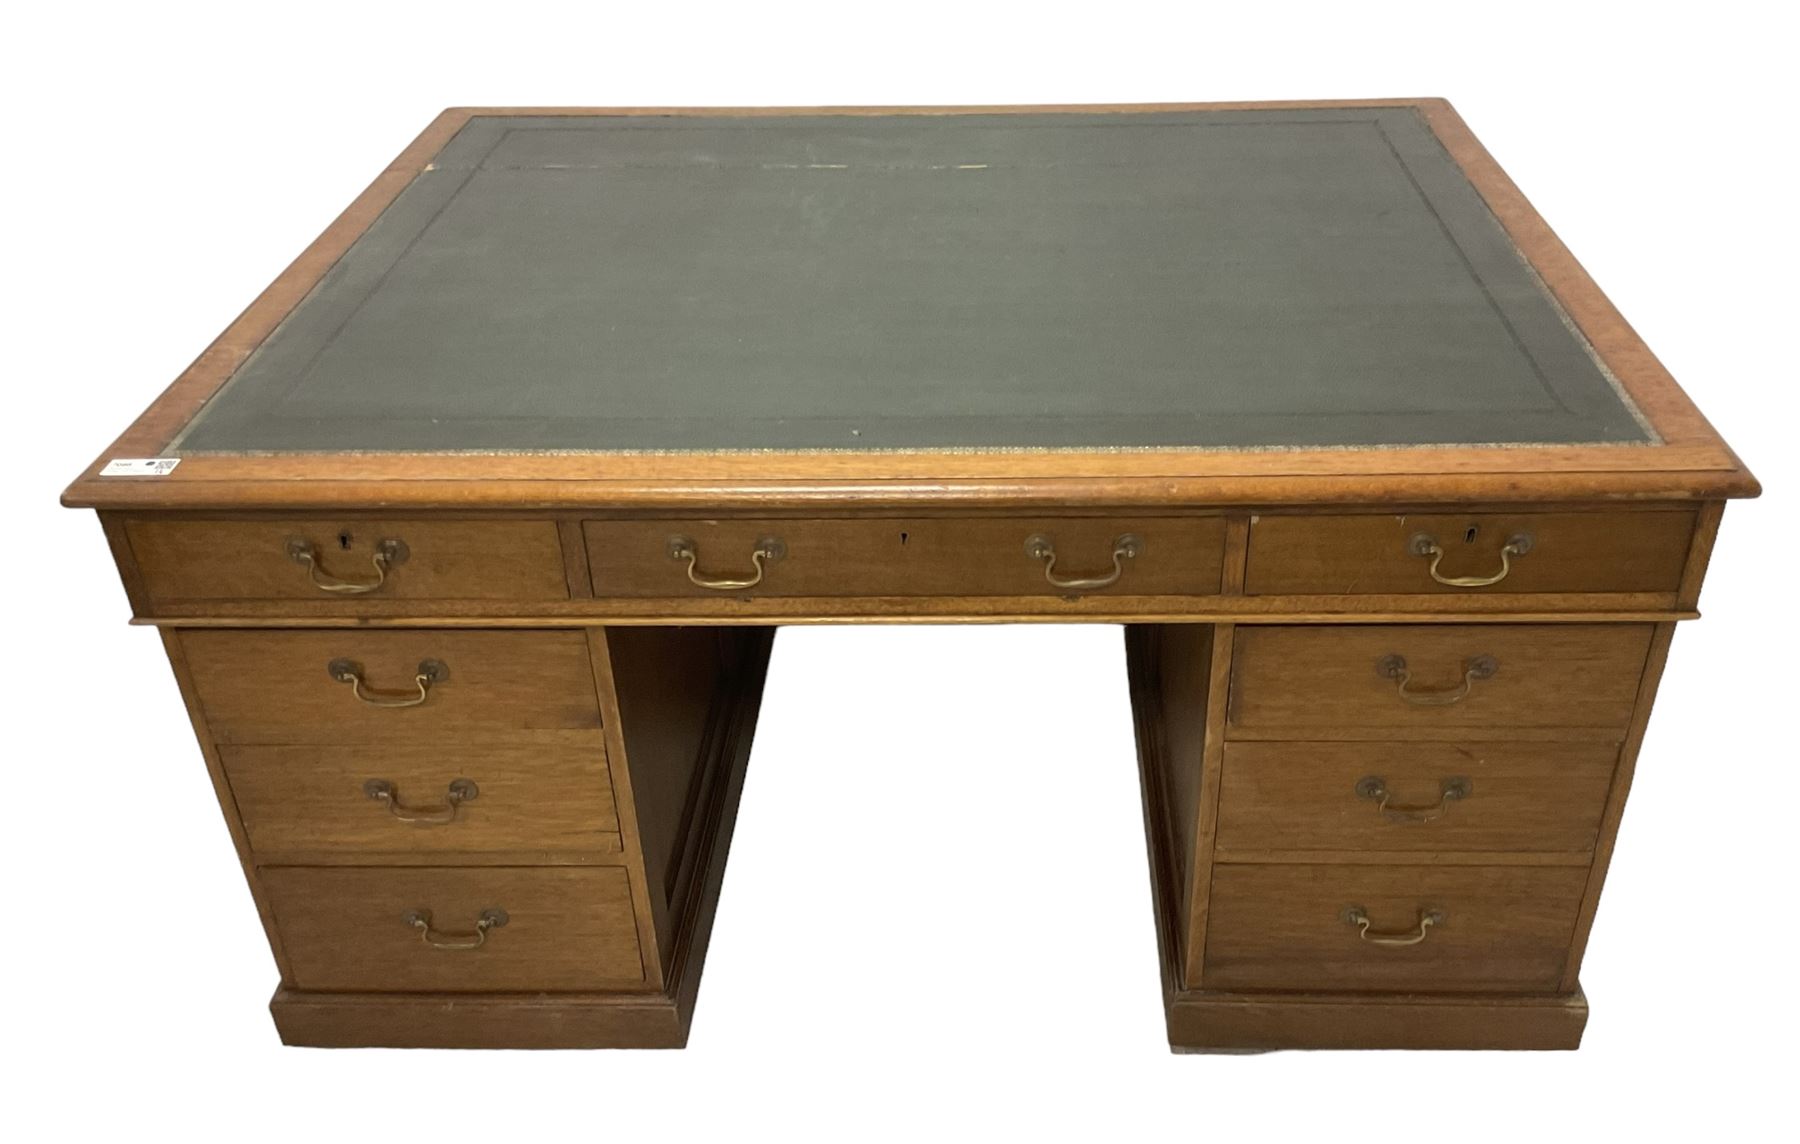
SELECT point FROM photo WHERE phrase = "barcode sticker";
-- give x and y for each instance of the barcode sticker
(140, 467)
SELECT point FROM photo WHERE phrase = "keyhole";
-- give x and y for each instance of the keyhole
(344, 541)
(1469, 536)
(903, 538)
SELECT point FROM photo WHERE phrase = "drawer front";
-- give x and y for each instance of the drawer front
(1421, 796)
(1124, 556)
(348, 560)
(1421, 680)
(356, 800)
(1468, 552)
(263, 686)
(420, 929)
(1494, 929)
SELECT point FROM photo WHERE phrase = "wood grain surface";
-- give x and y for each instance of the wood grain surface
(1282, 927)
(552, 799)
(183, 560)
(567, 928)
(908, 557)
(272, 687)
(1521, 796)
(1568, 680)
(1373, 554)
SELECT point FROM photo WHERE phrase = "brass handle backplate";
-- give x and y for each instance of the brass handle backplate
(306, 554)
(1126, 547)
(488, 919)
(1375, 788)
(349, 671)
(1359, 917)
(1394, 667)
(768, 550)
(460, 791)
(1424, 544)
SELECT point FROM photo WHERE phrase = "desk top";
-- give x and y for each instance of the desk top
(1118, 304)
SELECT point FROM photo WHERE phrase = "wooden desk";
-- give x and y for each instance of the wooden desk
(487, 509)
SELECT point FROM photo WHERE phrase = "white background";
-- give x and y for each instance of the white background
(936, 919)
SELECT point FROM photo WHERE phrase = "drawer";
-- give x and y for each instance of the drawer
(348, 560)
(1424, 680)
(1419, 796)
(1127, 556)
(1494, 929)
(1468, 552)
(330, 686)
(421, 929)
(358, 800)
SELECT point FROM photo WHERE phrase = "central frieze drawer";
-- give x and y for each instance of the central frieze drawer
(1414, 796)
(402, 686)
(1011, 556)
(1420, 680)
(550, 799)
(1391, 928)
(455, 930)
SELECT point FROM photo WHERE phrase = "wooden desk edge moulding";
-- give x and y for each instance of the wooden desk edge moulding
(478, 719)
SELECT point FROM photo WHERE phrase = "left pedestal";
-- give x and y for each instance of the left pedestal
(481, 838)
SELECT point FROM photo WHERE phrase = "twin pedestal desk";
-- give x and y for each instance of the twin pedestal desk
(468, 540)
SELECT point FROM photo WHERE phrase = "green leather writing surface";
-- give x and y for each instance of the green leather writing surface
(1116, 280)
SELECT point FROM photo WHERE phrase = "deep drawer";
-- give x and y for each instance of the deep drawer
(1334, 928)
(423, 929)
(1468, 552)
(348, 560)
(1126, 556)
(1419, 796)
(336, 686)
(355, 801)
(1424, 680)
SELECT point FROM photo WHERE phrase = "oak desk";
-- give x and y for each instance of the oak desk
(483, 515)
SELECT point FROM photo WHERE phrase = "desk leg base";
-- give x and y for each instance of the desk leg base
(463, 1021)
(1213, 1022)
